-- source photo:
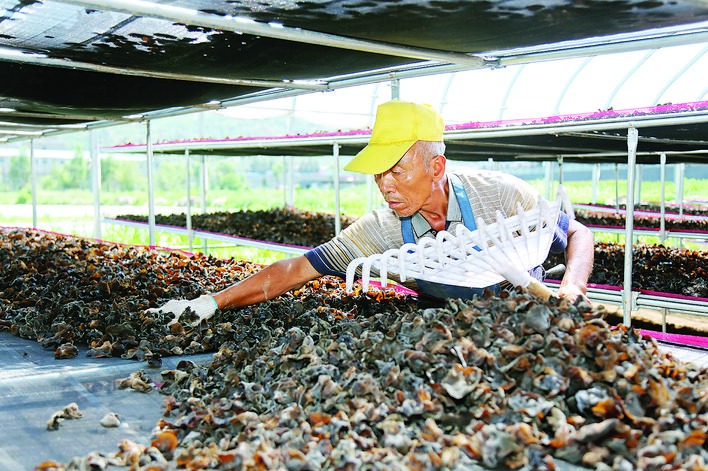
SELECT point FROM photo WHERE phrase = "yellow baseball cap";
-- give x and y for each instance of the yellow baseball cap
(398, 125)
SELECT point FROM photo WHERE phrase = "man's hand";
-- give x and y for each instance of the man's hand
(204, 307)
(571, 292)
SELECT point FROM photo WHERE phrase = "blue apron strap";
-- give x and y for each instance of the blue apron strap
(463, 201)
(407, 230)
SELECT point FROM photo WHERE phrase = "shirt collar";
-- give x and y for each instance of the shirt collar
(421, 227)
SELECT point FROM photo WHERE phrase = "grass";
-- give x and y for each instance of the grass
(354, 201)
(581, 191)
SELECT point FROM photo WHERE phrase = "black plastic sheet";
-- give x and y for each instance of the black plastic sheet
(33, 386)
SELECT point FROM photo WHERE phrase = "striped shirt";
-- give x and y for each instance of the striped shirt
(380, 230)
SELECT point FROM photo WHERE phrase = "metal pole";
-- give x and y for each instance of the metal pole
(548, 166)
(679, 186)
(33, 183)
(337, 209)
(679, 193)
(284, 182)
(632, 139)
(203, 195)
(291, 181)
(662, 222)
(395, 89)
(190, 232)
(95, 183)
(617, 197)
(151, 189)
(595, 182)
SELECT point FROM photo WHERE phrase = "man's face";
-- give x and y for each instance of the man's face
(407, 186)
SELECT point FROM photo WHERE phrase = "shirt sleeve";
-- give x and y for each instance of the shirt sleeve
(560, 238)
(373, 233)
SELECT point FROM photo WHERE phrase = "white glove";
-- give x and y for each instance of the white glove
(204, 307)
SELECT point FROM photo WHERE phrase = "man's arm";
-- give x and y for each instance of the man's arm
(268, 283)
(579, 256)
(274, 280)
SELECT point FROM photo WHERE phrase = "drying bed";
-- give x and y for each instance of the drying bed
(321, 379)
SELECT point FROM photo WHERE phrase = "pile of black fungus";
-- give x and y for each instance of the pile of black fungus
(654, 268)
(64, 291)
(321, 379)
(280, 225)
(669, 209)
(496, 383)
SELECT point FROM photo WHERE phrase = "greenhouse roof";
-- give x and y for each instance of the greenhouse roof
(80, 64)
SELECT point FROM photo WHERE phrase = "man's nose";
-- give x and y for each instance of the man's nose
(384, 182)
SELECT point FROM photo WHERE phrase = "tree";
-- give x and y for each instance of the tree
(122, 175)
(19, 171)
(73, 174)
(226, 175)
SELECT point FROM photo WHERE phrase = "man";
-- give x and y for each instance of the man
(406, 156)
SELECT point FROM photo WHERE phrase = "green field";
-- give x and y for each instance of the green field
(354, 201)
(353, 197)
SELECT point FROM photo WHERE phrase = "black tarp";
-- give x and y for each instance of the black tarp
(52, 95)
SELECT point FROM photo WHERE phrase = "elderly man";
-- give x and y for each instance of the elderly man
(406, 156)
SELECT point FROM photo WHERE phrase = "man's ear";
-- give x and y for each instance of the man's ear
(438, 166)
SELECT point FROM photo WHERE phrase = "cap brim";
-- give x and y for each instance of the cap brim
(377, 158)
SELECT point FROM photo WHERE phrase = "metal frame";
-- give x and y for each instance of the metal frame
(431, 61)
(628, 296)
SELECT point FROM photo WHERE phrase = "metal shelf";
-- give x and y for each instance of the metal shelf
(213, 236)
(652, 233)
(666, 305)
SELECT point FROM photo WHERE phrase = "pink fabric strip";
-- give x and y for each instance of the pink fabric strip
(155, 247)
(654, 229)
(600, 210)
(672, 295)
(681, 339)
